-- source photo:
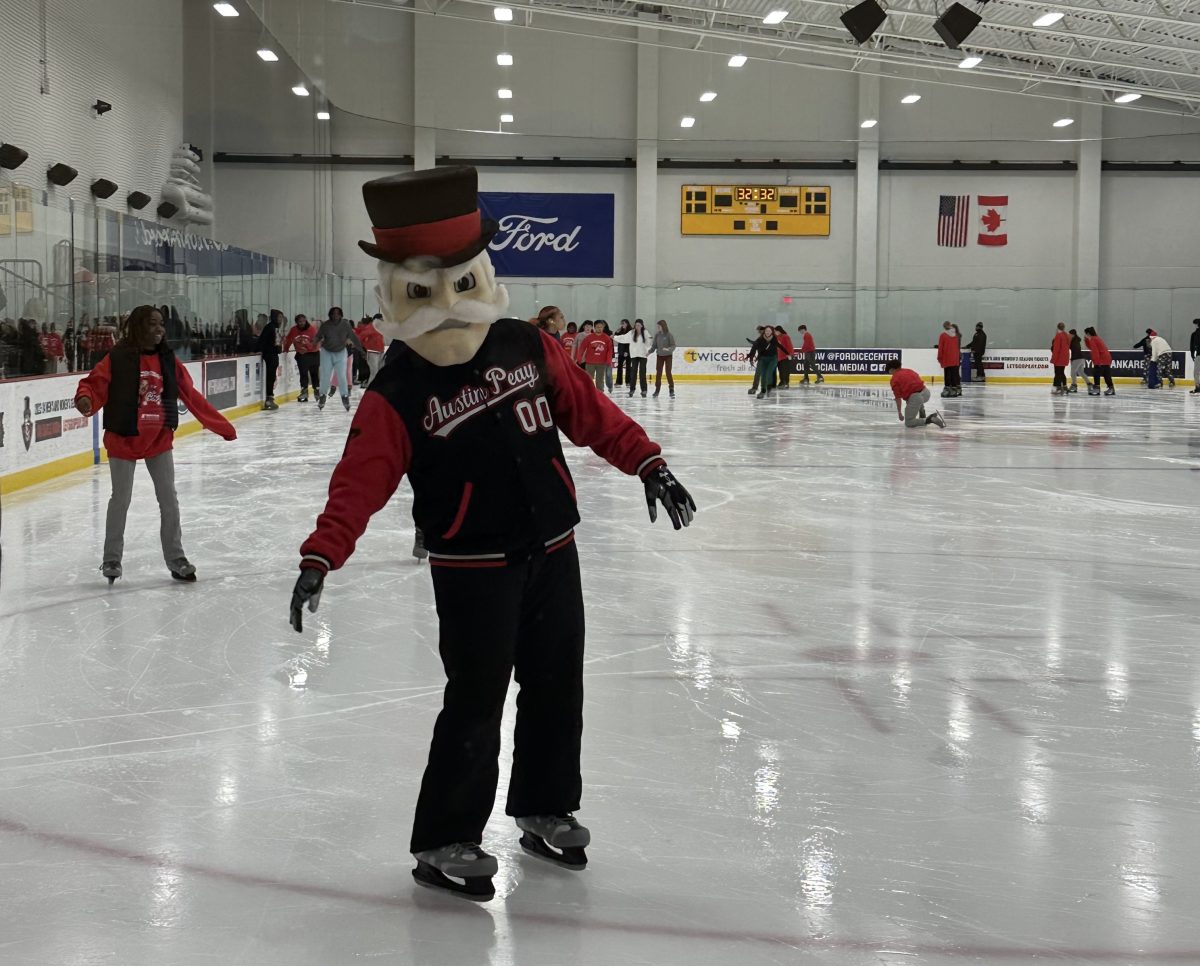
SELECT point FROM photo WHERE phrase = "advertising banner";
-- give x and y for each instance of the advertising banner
(39, 423)
(149, 247)
(1133, 364)
(852, 362)
(220, 383)
(733, 361)
(550, 235)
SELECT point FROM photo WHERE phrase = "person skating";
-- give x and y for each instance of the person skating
(808, 353)
(1144, 345)
(664, 357)
(268, 348)
(1060, 358)
(139, 384)
(1078, 361)
(1160, 353)
(911, 395)
(978, 348)
(470, 409)
(596, 351)
(785, 351)
(1194, 350)
(1101, 363)
(622, 351)
(569, 337)
(335, 337)
(584, 331)
(371, 340)
(752, 359)
(640, 349)
(766, 350)
(303, 337)
(949, 357)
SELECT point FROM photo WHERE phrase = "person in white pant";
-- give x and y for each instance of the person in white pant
(1160, 352)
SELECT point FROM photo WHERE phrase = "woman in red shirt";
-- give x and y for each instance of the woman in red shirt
(1060, 358)
(950, 359)
(139, 384)
(1101, 362)
(596, 352)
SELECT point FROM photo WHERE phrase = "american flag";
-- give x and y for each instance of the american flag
(953, 211)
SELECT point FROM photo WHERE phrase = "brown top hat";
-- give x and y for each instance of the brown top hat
(434, 214)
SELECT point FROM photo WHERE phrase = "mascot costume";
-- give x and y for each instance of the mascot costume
(470, 407)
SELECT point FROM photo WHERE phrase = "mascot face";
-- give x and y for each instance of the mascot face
(418, 296)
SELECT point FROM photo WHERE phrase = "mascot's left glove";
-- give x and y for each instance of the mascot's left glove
(308, 589)
(662, 487)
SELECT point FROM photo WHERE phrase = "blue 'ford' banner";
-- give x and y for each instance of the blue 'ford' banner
(550, 235)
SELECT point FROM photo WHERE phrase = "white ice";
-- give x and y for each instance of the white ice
(898, 697)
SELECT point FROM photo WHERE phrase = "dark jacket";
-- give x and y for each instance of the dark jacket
(1076, 348)
(1195, 346)
(764, 347)
(978, 343)
(268, 339)
(124, 390)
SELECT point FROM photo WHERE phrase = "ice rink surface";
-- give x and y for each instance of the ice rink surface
(897, 697)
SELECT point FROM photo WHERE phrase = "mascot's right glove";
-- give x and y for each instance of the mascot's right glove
(308, 589)
(662, 487)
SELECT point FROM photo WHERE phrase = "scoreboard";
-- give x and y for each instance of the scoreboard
(754, 209)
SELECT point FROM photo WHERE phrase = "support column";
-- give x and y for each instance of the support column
(866, 216)
(424, 96)
(1087, 213)
(645, 241)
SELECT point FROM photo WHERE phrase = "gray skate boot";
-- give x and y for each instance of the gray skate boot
(111, 569)
(558, 838)
(182, 569)
(439, 868)
(418, 549)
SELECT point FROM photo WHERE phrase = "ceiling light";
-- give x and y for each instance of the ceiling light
(300, 90)
(708, 96)
(265, 53)
(322, 115)
(869, 122)
(775, 16)
(910, 98)
(502, 13)
(737, 60)
(687, 121)
(225, 9)
(1126, 98)
(506, 119)
(1064, 122)
(504, 60)
(968, 62)
(1048, 20)
(504, 94)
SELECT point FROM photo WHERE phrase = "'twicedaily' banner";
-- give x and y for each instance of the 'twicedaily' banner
(550, 235)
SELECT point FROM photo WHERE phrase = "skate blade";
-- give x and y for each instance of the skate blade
(187, 578)
(476, 888)
(573, 857)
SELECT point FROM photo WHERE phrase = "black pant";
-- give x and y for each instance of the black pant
(362, 368)
(977, 358)
(637, 370)
(623, 366)
(1102, 371)
(953, 376)
(525, 616)
(271, 367)
(1060, 377)
(309, 364)
(785, 372)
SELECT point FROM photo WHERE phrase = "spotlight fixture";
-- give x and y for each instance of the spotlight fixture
(504, 60)
(225, 9)
(166, 210)
(737, 60)
(1127, 98)
(506, 119)
(775, 16)
(267, 54)
(61, 174)
(504, 94)
(968, 62)
(708, 96)
(503, 14)
(322, 115)
(687, 121)
(137, 200)
(300, 90)
(1048, 20)
(956, 24)
(1064, 122)
(869, 122)
(101, 107)
(910, 98)
(12, 156)
(862, 21)
(103, 188)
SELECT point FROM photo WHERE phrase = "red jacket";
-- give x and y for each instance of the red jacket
(785, 346)
(1100, 354)
(370, 337)
(949, 354)
(154, 436)
(567, 341)
(1060, 350)
(905, 383)
(596, 349)
(807, 345)
(303, 339)
(52, 345)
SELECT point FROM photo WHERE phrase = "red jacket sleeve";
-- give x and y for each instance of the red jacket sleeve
(210, 418)
(376, 457)
(289, 338)
(589, 418)
(94, 386)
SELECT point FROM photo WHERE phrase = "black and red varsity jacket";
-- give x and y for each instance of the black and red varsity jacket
(479, 442)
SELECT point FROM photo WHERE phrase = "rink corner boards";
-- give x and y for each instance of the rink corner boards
(45, 472)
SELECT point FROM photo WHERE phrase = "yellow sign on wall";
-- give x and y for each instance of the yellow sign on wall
(754, 209)
(16, 201)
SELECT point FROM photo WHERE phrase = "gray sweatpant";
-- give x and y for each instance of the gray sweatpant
(162, 472)
(914, 408)
(1077, 370)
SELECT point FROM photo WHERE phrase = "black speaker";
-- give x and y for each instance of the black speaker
(864, 20)
(12, 156)
(103, 188)
(166, 210)
(137, 200)
(956, 24)
(61, 174)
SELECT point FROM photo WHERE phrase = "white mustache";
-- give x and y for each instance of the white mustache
(471, 311)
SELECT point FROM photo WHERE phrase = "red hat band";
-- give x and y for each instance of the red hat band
(436, 238)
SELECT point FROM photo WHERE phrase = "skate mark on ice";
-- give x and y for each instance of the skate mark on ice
(860, 704)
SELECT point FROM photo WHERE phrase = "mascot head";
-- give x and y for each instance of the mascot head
(431, 241)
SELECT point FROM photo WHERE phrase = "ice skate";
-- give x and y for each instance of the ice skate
(346, 402)
(321, 401)
(761, 395)
(558, 838)
(672, 392)
(820, 379)
(1073, 389)
(181, 569)
(1110, 392)
(112, 570)
(937, 421)
(749, 392)
(945, 394)
(269, 404)
(1093, 390)
(441, 868)
(418, 549)
(303, 396)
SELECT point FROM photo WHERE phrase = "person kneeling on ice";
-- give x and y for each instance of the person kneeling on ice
(911, 397)
(470, 407)
(139, 385)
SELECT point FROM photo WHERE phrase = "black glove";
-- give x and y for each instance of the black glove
(308, 589)
(661, 485)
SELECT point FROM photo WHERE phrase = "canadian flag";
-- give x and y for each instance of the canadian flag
(993, 212)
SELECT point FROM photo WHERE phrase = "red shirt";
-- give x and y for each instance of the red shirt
(905, 383)
(303, 339)
(1100, 354)
(948, 351)
(1060, 350)
(785, 346)
(807, 345)
(370, 337)
(596, 349)
(154, 436)
(54, 346)
(568, 342)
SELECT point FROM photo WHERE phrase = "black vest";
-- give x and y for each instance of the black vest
(121, 410)
(487, 467)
